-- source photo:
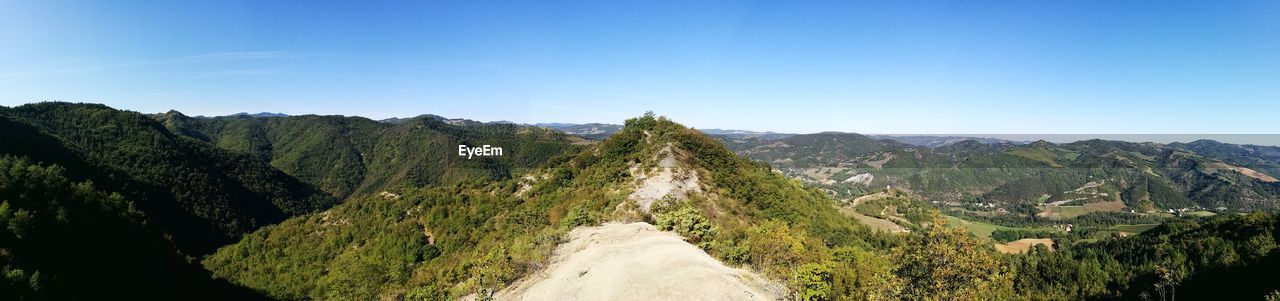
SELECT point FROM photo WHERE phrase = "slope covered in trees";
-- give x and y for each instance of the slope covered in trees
(199, 194)
(347, 156)
(66, 240)
(1225, 257)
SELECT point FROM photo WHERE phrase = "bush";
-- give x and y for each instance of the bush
(688, 222)
(427, 293)
(813, 282)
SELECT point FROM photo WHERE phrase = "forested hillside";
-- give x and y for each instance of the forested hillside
(62, 239)
(200, 195)
(347, 156)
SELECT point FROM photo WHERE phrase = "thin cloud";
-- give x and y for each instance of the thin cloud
(223, 73)
(208, 57)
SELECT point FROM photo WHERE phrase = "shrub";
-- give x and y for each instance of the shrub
(688, 222)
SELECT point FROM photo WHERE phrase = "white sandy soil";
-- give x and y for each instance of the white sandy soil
(636, 262)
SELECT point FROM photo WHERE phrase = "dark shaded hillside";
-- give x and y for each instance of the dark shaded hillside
(200, 195)
(67, 240)
(348, 156)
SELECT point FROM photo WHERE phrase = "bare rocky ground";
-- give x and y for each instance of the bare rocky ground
(637, 262)
(667, 179)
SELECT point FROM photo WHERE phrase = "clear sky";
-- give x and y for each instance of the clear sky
(895, 67)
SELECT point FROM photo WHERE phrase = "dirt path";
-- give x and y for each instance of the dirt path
(636, 262)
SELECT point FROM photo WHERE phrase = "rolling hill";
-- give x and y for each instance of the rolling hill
(1012, 177)
(347, 156)
(200, 195)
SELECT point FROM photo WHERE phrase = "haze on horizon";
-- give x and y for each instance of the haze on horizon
(1097, 67)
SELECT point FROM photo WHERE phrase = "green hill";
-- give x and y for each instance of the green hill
(347, 156)
(199, 194)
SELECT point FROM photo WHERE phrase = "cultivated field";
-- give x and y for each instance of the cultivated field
(1023, 245)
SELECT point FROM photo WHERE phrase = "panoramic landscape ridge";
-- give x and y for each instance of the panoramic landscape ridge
(334, 207)
(567, 150)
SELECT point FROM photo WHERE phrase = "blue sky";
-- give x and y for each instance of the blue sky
(898, 67)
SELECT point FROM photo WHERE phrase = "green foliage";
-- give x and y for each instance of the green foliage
(946, 264)
(347, 156)
(1217, 257)
(686, 221)
(201, 195)
(773, 246)
(469, 237)
(68, 240)
(428, 293)
(813, 282)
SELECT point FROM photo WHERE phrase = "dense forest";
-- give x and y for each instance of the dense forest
(66, 240)
(201, 195)
(346, 156)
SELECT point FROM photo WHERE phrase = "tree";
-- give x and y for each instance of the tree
(813, 282)
(946, 264)
(773, 245)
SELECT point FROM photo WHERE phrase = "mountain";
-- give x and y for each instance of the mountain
(258, 115)
(346, 156)
(1264, 159)
(745, 134)
(600, 131)
(940, 141)
(200, 195)
(593, 131)
(451, 121)
(1030, 178)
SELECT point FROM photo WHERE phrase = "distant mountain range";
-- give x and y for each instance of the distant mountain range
(1031, 177)
(600, 131)
(247, 114)
(940, 141)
